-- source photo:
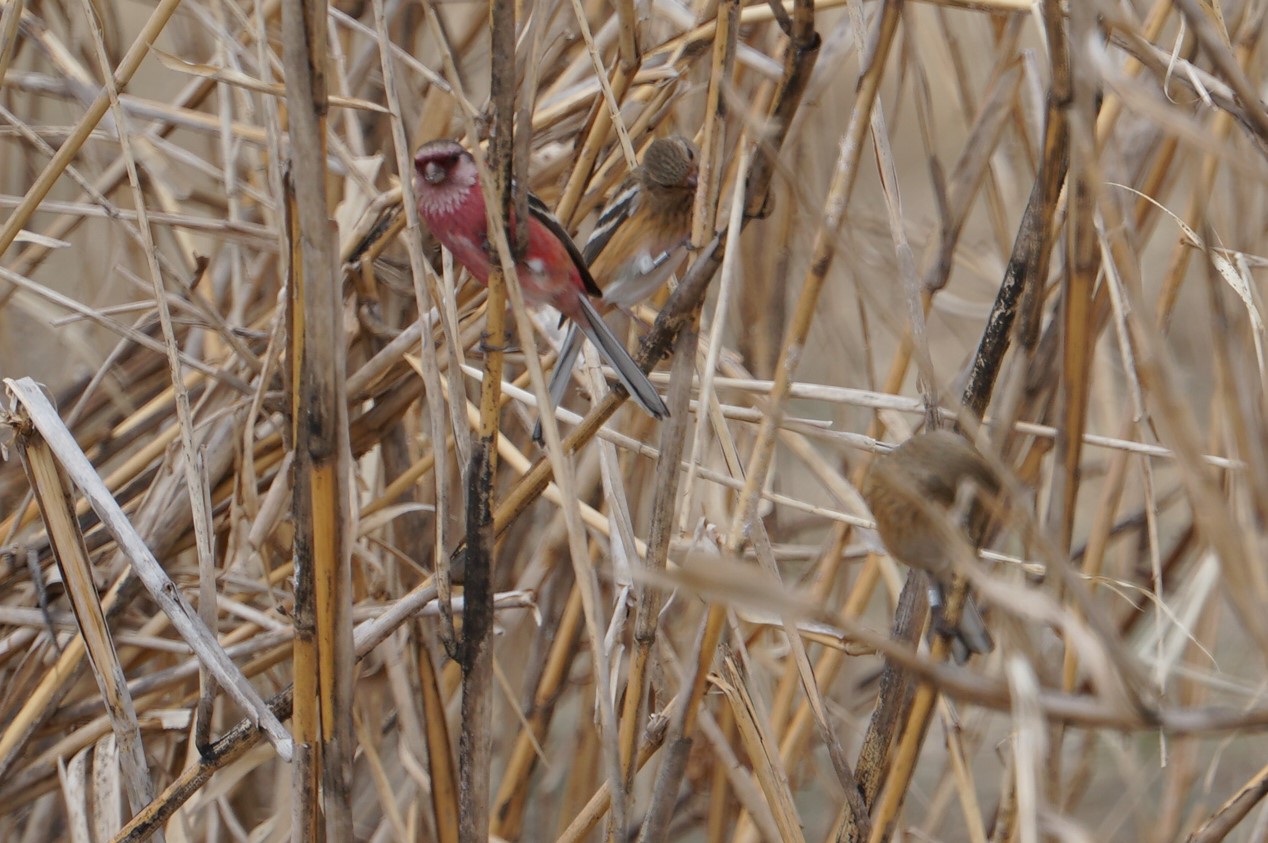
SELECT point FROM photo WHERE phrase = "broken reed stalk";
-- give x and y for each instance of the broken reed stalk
(55, 497)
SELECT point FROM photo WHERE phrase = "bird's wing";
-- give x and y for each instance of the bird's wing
(538, 209)
(618, 209)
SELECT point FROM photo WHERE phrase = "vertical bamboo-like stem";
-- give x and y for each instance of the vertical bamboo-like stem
(1075, 310)
(656, 825)
(475, 654)
(1020, 293)
(712, 162)
(664, 518)
(1115, 473)
(323, 655)
(799, 58)
(1082, 268)
(674, 432)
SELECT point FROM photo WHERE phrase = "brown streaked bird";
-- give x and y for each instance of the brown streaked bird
(639, 240)
(908, 488)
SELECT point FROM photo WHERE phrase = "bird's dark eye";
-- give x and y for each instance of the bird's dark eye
(435, 172)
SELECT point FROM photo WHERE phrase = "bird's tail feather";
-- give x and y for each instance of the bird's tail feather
(631, 376)
(970, 636)
(563, 366)
(560, 376)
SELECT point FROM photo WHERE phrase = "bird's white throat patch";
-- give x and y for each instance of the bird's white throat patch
(439, 200)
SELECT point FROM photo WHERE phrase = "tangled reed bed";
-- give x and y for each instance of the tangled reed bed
(281, 560)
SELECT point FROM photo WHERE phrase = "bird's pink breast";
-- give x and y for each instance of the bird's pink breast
(546, 272)
(460, 225)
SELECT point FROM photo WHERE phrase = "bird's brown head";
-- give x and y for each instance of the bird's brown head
(672, 162)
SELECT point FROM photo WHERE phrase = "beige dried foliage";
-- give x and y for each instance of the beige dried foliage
(1050, 212)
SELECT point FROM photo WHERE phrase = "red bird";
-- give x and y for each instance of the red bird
(551, 271)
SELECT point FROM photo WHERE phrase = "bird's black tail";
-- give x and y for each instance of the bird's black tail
(970, 635)
(613, 351)
(562, 374)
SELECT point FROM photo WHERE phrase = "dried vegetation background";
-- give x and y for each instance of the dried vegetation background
(1049, 216)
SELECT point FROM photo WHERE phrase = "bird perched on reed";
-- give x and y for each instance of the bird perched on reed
(912, 492)
(551, 271)
(639, 240)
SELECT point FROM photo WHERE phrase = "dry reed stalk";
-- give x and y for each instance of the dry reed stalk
(761, 750)
(323, 664)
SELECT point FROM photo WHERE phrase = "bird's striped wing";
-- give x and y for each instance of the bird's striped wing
(619, 209)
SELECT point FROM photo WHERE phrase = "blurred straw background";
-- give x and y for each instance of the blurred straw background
(241, 470)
